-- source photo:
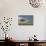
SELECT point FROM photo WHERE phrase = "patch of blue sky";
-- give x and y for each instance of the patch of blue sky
(26, 17)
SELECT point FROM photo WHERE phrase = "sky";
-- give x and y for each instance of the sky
(26, 16)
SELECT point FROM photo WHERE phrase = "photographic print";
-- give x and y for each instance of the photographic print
(25, 20)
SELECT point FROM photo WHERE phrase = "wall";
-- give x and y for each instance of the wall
(13, 8)
(45, 27)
